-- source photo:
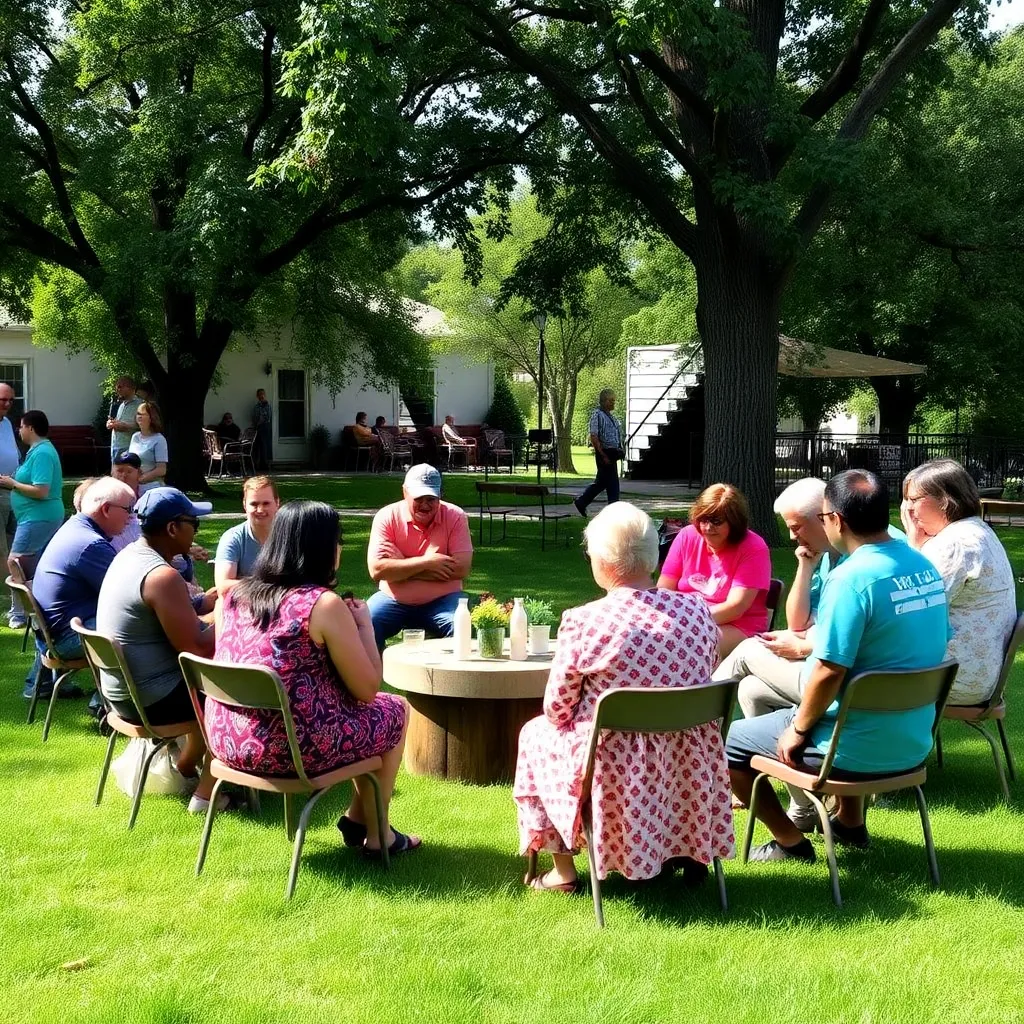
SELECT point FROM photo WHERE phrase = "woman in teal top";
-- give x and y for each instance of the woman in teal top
(35, 491)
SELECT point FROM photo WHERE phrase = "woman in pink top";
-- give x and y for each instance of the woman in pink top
(721, 558)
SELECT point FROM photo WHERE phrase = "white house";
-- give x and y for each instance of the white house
(69, 388)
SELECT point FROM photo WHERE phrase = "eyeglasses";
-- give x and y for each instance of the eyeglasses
(822, 516)
(127, 508)
(191, 520)
(712, 521)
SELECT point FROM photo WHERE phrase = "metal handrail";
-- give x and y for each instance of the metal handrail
(661, 397)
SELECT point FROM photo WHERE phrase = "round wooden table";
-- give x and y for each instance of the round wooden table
(466, 715)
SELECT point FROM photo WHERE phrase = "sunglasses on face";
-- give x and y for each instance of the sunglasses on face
(713, 521)
(191, 520)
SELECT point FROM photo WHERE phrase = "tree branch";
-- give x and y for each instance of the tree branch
(845, 76)
(24, 233)
(577, 15)
(267, 104)
(678, 86)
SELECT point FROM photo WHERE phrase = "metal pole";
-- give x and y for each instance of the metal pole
(540, 396)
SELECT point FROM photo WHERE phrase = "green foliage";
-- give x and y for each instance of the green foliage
(539, 613)
(504, 413)
(319, 439)
(488, 614)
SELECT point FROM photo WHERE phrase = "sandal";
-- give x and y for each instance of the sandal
(402, 844)
(352, 832)
(538, 884)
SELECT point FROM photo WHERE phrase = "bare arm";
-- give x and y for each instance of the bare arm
(158, 472)
(798, 603)
(595, 440)
(225, 577)
(344, 627)
(821, 690)
(165, 592)
(122, 426)
(668, 582)
(38, 491)
(427, 567)
(738, 600)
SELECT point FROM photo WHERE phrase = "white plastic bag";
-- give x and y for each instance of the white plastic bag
(163, 777)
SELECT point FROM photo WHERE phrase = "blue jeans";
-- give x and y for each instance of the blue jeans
(389, 617)
(607, 480)
(68, 645)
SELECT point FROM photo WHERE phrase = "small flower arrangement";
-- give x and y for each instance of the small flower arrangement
(488, 614)
(539, 613)
(1012, 487)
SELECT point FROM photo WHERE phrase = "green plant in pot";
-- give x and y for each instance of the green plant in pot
(319, 442)
(490, 620)
(541, 617)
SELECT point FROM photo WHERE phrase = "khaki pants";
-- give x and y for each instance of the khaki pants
(767, 683)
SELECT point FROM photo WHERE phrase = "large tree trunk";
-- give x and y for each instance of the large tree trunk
(560, 412)
(182, 399)
(738, 322)
(898, 398)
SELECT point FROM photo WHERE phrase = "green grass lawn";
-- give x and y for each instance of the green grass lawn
(99, 924)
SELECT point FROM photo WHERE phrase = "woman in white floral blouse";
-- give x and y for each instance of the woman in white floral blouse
(941, 512)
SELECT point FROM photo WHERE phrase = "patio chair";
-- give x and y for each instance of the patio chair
(19, 575)
(993, 710)
(63, 668)
(394, 450)
(773, 599)
(240, 451)
(105, 654)
(258, 687)
(869, 691)
(662, 709)
(497, 451)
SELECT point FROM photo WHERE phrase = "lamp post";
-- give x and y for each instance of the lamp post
(540, 322)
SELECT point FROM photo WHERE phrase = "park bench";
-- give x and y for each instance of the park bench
(996, 507)
(502, 500)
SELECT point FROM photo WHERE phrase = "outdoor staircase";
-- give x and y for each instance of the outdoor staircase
(664, 413)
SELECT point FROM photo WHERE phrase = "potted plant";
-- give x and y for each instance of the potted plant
(319, 442)
(490, 620)
(541, 617)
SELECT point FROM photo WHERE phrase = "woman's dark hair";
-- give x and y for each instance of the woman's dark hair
(862, 499)
(299, 553)
(949, 484)
(37, 420)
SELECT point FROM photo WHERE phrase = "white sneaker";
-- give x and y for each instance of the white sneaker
(804, 818)
(197, 805)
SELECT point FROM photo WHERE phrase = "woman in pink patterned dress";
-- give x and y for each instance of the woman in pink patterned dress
(322, 646)
(655, 797)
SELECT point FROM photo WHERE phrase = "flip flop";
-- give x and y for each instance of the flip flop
(352, 832)
(538, 884)
(402, 844)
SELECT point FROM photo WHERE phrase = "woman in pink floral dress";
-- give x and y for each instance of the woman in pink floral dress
(655, 797)
(322, 646)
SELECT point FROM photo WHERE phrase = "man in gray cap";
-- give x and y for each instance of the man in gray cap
(420, 552)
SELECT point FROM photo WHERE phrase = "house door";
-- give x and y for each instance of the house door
(291, 426)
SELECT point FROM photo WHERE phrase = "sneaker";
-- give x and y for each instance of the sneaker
(576, 505)
(17, 622)
(805, 818)
(776, 851)
(197, 805)
(850, 835)
(71, 692)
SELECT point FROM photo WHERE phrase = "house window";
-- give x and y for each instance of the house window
(15, 374)
(428, 400)
(291, 405)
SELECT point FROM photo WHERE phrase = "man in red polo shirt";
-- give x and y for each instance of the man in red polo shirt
(420, 552)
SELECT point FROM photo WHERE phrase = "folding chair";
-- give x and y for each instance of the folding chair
(660, 709)
(773, 599)
(882, 692)
(64, 668)
(104, 654)
(20, 576)
(992, 710)
(258, 687)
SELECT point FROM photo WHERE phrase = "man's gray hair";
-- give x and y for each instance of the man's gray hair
(804, 497)
(605, 392)
(623, 537)
(107, 491)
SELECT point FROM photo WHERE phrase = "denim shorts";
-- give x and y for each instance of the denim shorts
(31, 538)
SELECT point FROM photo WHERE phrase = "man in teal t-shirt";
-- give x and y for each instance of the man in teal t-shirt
(883, 607)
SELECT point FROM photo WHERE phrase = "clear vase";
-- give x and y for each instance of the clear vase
(491, 642)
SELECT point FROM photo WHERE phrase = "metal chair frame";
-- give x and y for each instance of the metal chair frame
(20, 576)
(259, 687)
(105, 654)
(867, 691)
(658, 709)
(992, 710)
(773, 599)
(63, 667)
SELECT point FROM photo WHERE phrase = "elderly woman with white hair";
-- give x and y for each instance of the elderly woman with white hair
(656, 797)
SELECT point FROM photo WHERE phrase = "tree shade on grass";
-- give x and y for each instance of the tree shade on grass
(99, 925)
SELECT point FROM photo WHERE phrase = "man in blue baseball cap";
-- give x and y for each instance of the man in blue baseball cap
(145, 605)
(420, 552)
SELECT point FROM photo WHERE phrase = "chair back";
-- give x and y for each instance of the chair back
(660, 709)
(773, 599)
(240, 686)
(18, 575)
(1011, 652)
(18, 569)
(889, 692)
(23, 592)
(104, 654)
(387, 442)
(211, 442)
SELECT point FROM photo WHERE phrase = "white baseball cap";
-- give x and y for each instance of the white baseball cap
(422, 481)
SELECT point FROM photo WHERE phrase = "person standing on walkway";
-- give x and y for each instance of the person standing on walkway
(10, 458)
(606, 440)
(263, 420)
